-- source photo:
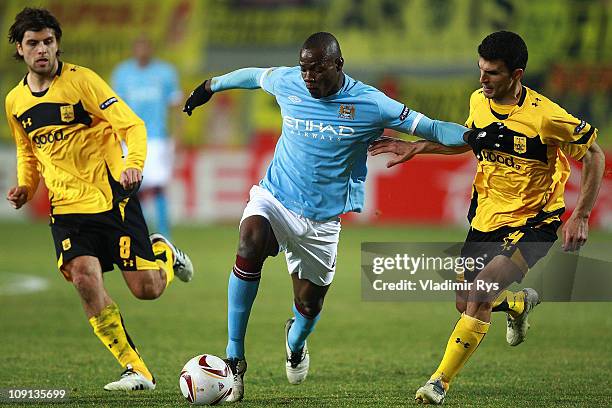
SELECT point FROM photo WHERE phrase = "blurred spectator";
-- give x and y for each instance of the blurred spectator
(150, 87)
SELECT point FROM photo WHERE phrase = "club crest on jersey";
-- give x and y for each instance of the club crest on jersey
(66, 245)
(520, 144)
(347, 112)
(67, 113)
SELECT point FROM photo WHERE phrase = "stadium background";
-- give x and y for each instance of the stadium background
(420, 52)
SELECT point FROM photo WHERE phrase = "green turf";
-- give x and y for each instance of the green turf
(362, 353)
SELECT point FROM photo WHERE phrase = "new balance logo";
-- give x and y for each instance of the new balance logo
(465, 345)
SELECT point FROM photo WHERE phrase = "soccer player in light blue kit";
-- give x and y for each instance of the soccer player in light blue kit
(317, 173)
(150, 87)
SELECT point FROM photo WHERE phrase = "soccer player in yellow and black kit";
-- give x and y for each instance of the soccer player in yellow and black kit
(521, 140)
(68, 124)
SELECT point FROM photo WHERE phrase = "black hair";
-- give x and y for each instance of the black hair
(325, 41)
(506, 46)
(33, 19)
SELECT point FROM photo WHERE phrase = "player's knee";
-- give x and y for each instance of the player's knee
(255, 239)
(309, 308)
(252, 246)
(83, 276)
(147, 288)
(82, 281)
(478, 307)
(461, 306)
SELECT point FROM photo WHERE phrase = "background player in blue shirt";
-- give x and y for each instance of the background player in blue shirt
(317, 173)
(150, 87)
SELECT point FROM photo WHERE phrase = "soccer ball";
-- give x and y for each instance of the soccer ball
(206, 380)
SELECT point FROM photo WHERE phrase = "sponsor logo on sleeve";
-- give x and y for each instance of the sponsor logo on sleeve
(108, 102)
(580, 126)
(405, 113)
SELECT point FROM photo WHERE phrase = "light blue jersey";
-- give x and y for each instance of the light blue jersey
(149, 91)
(319, 165)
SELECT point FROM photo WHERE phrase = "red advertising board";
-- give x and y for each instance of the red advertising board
(212, 184)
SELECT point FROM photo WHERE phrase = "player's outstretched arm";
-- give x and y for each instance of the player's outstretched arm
(17, 196)
(576, 228)
(445, 133)
(244, 78)
(403, 151)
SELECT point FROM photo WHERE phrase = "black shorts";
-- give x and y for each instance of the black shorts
(525, 245)
(119, 236)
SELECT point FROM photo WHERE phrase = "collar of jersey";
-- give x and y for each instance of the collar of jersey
(511, 109)
(60, 64)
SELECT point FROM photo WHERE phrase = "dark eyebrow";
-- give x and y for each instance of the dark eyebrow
(322, 61)
(489, 71)
(44, 39)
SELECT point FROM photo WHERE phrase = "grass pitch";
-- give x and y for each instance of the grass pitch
(362, 353)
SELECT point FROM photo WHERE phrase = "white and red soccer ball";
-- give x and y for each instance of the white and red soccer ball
(206, 380)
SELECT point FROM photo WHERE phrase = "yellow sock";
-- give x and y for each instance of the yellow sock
(108, 326)
(467, 335)
(163, 257)
(511, 302)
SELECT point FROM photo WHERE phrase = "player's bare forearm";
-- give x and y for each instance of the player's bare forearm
(594, 163)
(403, 151)
(576, 228)
(429, 147)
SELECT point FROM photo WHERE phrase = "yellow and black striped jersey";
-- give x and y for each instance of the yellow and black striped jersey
(522, 183)
(70, 134)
